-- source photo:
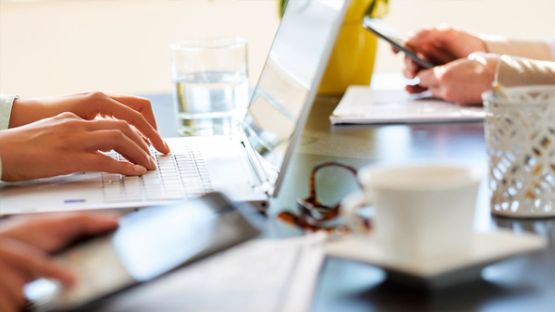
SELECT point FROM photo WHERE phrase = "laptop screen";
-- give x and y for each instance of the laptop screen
(291, 75)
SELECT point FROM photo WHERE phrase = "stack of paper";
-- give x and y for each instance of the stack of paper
(362, 105)
(263, 275)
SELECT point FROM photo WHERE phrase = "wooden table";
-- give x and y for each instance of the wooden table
(522, 284)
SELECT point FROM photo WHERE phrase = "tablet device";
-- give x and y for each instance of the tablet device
(381, 30)
(147, 245)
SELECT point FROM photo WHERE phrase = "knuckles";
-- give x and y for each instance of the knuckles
(450, 36)
(72, 124)
(96, 95)
(115, 135)
(66, 115)
(144, 102)
(95, 102)
(68, 120)
(121, 125)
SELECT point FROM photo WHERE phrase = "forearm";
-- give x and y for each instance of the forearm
(536, 50)
(515, 71)
(4, 146)
(26, 111)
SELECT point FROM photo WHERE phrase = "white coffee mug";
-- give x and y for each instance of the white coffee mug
(420, 211)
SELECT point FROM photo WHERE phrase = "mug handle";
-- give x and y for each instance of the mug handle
(349, 207)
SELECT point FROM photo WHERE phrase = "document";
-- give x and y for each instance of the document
(262, 275)
(362, 105)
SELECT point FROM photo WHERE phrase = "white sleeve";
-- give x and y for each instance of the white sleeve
(515, 71)
(6, 103)
(537, 50)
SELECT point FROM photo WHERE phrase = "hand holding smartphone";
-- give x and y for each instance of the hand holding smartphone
(384, 32)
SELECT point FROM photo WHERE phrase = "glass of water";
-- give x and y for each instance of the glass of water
(211, 84)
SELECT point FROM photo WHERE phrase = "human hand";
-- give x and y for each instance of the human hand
(25, 242)
(462, 81)
(21, 263)
(51, 232)
(135, 110)
(441, 45)
(67, 143)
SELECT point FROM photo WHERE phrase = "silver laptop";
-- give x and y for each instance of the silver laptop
(248, 167)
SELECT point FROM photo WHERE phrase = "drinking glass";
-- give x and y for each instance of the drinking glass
(211, 84)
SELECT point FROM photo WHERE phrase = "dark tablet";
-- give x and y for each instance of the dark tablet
(148, 244)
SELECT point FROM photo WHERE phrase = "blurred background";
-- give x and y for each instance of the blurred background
(53, 47)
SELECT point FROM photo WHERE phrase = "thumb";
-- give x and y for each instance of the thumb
(429, 78)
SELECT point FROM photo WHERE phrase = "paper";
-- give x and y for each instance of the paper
(362, 105)
(263, 275)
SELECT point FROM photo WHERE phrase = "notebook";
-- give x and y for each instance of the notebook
(362, 105)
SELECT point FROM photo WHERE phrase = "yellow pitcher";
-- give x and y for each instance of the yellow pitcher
(352, 59)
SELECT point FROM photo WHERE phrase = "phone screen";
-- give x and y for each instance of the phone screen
(147, 244)
(386, 33)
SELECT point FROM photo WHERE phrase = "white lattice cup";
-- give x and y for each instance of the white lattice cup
(520, 138)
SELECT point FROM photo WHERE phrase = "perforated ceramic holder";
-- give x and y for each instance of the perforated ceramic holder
(520, 138)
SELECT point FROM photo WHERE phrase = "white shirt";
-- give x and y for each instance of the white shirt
(6, 103)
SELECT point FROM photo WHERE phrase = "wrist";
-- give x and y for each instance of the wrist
(477, 43)
(483, 47)
(10, 154)
(25, 111)
(17, 112)
(489, 64)
(3, 150)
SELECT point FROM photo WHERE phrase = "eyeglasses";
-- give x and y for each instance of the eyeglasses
(313, 214)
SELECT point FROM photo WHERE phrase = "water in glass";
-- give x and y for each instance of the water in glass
(210, 102)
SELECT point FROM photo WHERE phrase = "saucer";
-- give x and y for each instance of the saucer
(486, 249)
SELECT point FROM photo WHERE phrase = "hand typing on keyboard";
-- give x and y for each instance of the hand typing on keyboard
(181, 174)
(57, 136)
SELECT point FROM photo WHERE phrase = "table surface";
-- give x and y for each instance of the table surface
(522, 283)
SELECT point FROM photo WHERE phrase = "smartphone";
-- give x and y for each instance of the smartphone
(383, 31)
(148, 244)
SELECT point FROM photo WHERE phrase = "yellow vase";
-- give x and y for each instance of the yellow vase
(353, 56)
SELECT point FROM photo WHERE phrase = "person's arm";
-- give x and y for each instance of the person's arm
(66, 144)
(536, 50)
(523, 62)
(26, 245)
(62, 135)
(515, 71)
(461, 81)
(6, 103)
(134, 110)
(472, 63)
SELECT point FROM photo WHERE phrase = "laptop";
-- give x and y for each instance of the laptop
(248, 167)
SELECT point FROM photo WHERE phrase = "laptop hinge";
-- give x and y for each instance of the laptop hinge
(263, 183)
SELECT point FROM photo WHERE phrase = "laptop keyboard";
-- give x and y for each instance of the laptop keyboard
(177, 176)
